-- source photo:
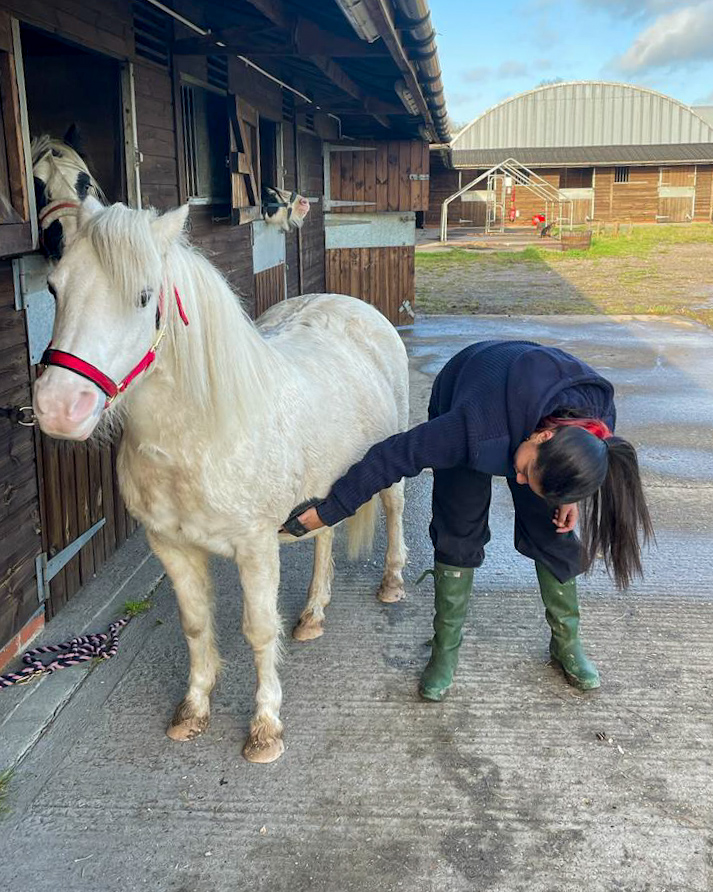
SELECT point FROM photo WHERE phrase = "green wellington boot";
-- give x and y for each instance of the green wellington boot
(453, 586)
(562, 612)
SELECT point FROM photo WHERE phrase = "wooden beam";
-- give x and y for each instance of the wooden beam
(374, 106)
(306, 38)
(275, 11)
(341, 79)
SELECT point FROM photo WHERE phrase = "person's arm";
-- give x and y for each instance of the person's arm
(440, 443)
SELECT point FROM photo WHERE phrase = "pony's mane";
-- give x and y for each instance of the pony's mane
(219, 360)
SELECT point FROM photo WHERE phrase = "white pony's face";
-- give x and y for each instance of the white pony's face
(286, 210)
(99, 318)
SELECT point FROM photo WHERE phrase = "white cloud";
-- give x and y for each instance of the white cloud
(636, 8)
(679, 37)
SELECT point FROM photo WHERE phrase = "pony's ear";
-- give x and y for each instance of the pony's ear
(73, 138)
(169, 226)
(88, 208)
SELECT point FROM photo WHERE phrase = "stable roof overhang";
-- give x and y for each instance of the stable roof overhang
(586, 156)
(373, 63)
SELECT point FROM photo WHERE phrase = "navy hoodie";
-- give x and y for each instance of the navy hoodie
(484, 403)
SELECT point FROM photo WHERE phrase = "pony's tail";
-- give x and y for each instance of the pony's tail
(616, 516)
(361, 528)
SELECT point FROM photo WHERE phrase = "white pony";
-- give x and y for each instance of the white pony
(226, 431)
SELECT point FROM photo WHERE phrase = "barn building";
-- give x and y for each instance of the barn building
(615, 152)
(184, 101)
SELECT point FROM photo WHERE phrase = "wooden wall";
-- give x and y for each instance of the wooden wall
(311, 236)
(269, 288)
(383, 277)
(20, 532)
(704, 193)
(443, 183)
(381, 177)
(292, 249)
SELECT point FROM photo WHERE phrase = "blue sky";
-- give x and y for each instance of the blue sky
(491, 51)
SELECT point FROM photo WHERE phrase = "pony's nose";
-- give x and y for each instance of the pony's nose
(304, 202)
(85, 402)
(63, 411)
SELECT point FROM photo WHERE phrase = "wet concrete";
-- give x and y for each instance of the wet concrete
(515, 783)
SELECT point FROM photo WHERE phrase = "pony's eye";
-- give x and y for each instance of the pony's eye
(145, 297)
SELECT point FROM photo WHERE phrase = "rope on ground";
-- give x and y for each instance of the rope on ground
(99, 645)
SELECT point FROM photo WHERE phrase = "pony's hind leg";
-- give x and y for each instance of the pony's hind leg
(311, 622)
(188, 570)
(392, 583)
(259, 565)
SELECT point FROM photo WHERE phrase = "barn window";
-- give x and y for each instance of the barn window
(621, 174)
(206, 146)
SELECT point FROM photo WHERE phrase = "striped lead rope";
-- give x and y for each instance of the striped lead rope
(97, 646)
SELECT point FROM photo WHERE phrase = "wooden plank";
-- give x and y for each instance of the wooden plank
(393, 175)
(370, 181)
(119, 508)
(108, 532)
(416, 185)
(346, 181)
(83, 496)
(54, 530)
(405, 182)
(382, 176)
(70, 519)
(359, 193)
(96, 505)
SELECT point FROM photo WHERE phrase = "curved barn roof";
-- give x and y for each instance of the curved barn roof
(584, 113)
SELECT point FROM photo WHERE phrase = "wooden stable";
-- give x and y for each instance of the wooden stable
(680, 193)
(188, 104)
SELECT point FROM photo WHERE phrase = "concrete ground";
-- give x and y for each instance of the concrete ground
(516, 783)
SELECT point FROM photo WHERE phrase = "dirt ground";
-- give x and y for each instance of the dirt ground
(665, 280)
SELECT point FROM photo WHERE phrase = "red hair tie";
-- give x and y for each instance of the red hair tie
(592, 425)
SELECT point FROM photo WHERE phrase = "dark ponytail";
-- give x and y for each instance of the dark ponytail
(582, 462)
(613, 516)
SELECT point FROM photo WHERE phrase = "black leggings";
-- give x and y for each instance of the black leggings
(459, 529)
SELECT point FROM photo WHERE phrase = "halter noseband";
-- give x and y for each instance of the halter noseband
(54, 208)
(107, 385)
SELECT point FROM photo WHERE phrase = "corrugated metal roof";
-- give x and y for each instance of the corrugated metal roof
(586, 156)
(585, 113)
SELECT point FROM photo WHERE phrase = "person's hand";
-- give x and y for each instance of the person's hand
(565, 518)
(309, 519)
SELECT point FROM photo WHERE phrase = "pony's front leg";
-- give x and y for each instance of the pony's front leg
(187, 568)
(392, 583)
(259, 565)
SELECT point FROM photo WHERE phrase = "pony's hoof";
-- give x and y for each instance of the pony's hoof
(390, 594)
(187, 729)
(185, 725)
(308, 629)
(263, 752)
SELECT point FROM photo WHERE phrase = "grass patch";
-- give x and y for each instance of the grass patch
(654, 270)
(136, 608)
(5, 778)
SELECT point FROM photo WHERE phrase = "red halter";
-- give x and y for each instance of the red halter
(110, 388)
